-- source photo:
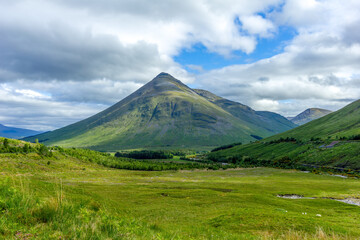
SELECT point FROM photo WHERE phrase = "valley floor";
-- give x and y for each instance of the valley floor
(200, 204)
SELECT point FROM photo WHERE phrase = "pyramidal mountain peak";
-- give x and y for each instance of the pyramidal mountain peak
(163, 82)
(167, 113)
(165, 78)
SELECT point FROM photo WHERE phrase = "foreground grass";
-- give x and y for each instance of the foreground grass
(68, 198)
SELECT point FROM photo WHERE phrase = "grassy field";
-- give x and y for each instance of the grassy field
(68, 198)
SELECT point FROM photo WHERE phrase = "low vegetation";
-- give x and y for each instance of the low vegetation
(318, 155)
(27, 216)
(226, 147)
(37, 150)
(145, 154)
(15, 146)
(72, 198)
(352, 137)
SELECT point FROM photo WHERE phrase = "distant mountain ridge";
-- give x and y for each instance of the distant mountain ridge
(167, 113)
(247, 114)
(309, 115)
(17, 133)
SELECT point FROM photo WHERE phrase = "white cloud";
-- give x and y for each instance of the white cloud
(266, 105)
(258, 25)
(31, 94)
(194, 67)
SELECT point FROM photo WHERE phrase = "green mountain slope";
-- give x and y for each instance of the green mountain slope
(344, 122)
(331, 141)
(11, 132)
(309, 115)
(166, 113)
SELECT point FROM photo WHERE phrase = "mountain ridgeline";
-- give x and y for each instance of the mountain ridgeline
(165, 113)
(11, 132)
(309, 115)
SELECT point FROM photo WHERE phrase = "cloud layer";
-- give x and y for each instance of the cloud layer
(62, 61)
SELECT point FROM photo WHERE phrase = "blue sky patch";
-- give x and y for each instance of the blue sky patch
(199, 55)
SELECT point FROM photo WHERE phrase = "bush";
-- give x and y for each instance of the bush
(226, 146)
(145, 154)
(287, 139)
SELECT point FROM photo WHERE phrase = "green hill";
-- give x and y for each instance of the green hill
(331, 141)
(309, 115)
(165, 113)
(344, 122)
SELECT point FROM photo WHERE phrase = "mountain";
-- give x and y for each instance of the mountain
(309, 115)
(331, 141)
(11, 132)
(167, 113)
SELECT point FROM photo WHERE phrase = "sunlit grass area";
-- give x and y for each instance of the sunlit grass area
(74, 199)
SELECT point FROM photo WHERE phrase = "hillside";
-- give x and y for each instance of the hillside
(168, 114)
(11, 132)
(272, 122)
(309, 115)
(331, 141)
(344, 122)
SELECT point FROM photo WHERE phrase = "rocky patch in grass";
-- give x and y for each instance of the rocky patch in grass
(352, 201)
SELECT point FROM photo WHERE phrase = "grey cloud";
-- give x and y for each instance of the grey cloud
(43, 115)
(327, 80)
(157, 9)
(355, 83)
(263, 79)
(64, 54)
(351, 33)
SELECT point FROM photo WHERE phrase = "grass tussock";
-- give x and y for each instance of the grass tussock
(25, 216)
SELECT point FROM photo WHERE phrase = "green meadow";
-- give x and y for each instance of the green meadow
(61, 197)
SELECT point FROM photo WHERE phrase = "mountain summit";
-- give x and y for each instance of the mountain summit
(167, 113)
(309, 115)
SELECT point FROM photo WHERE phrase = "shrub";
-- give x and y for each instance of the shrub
(226, 146)
(145, 154)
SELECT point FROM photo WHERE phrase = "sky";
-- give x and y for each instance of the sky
(62, 61)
